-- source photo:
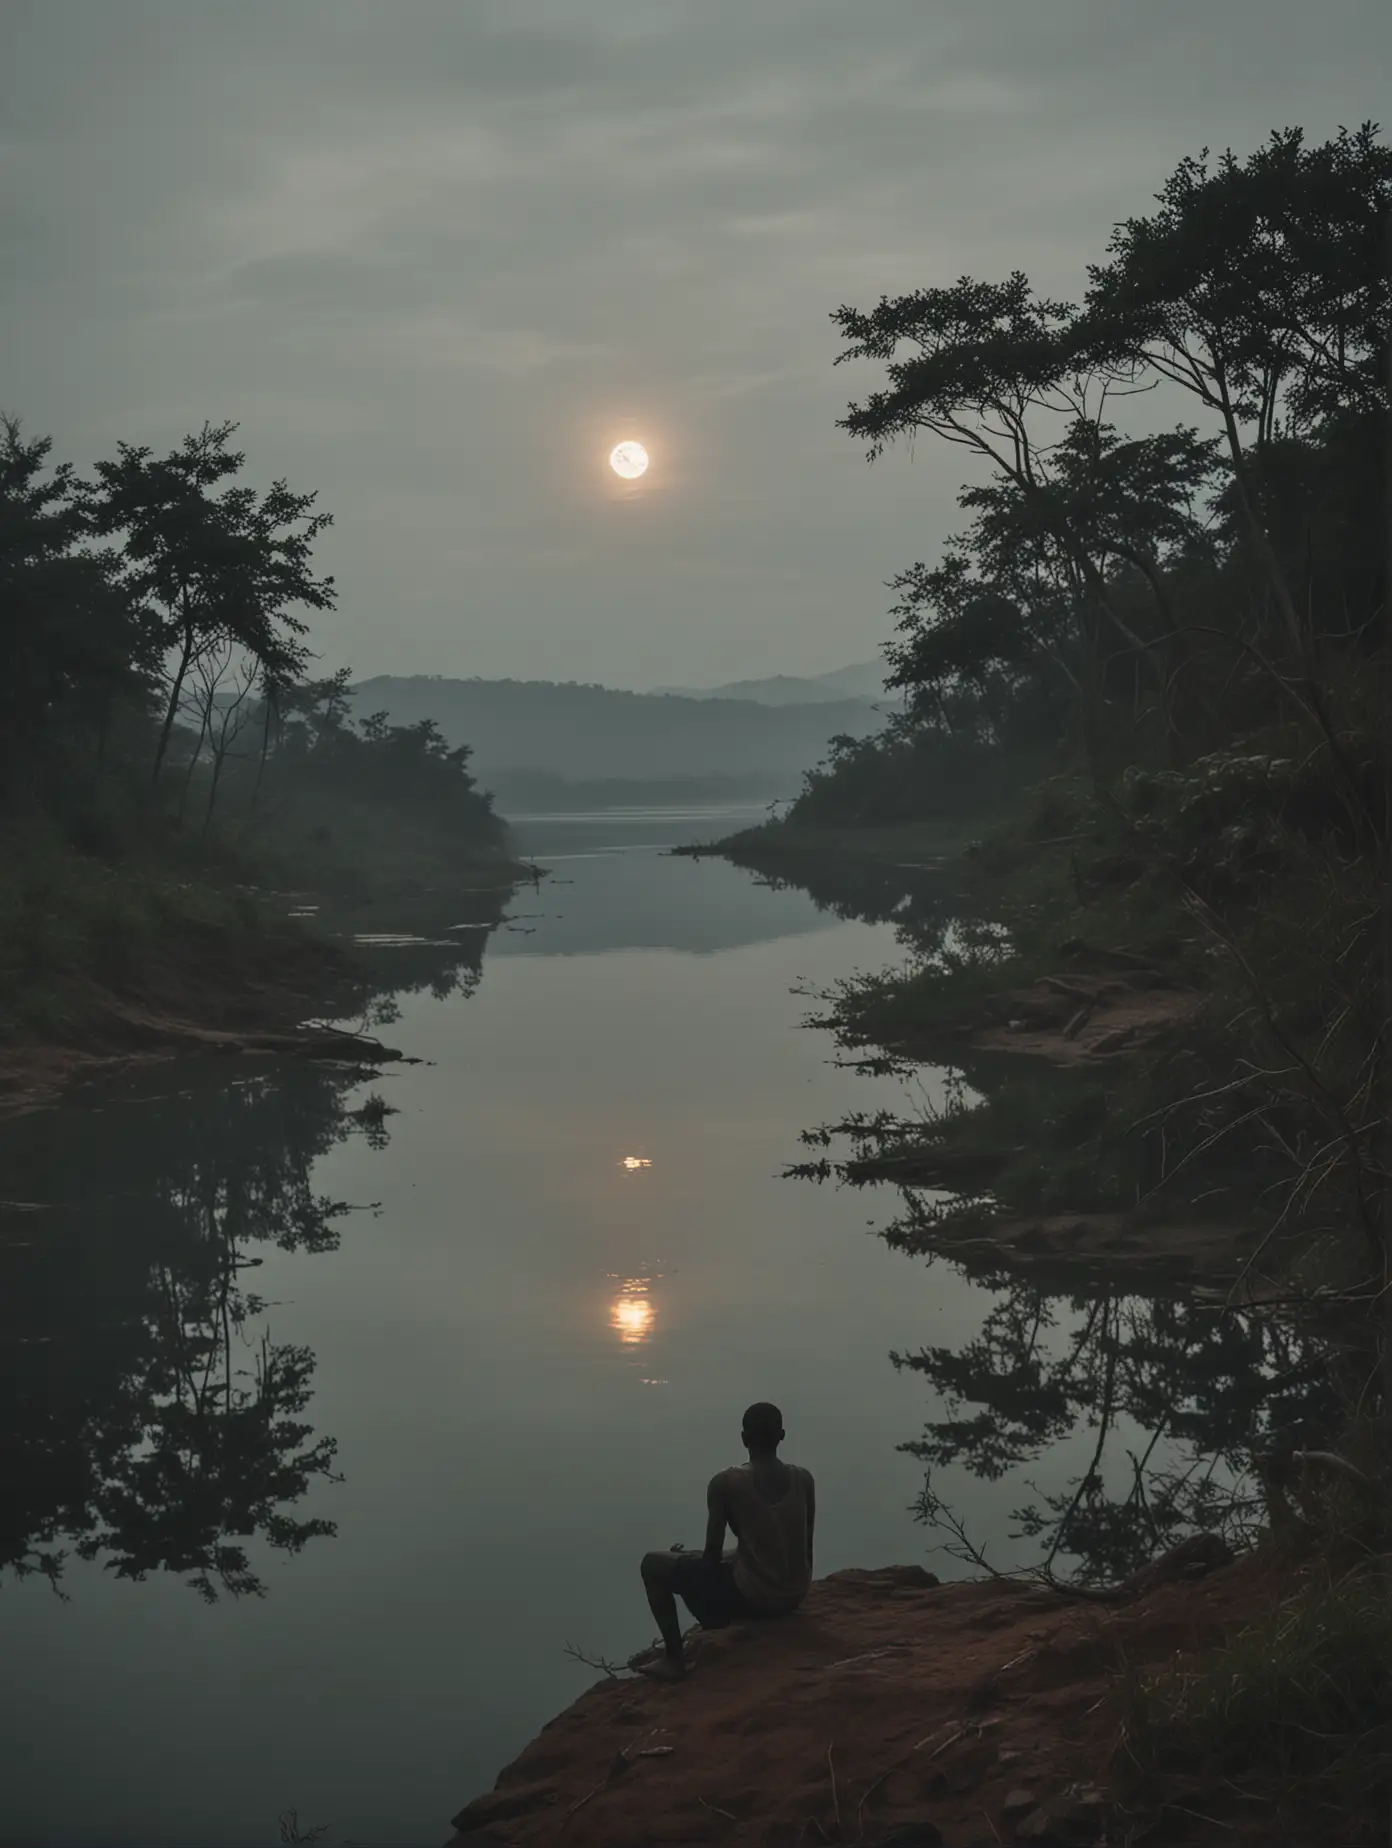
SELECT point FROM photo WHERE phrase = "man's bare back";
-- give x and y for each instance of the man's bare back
(770, 1508)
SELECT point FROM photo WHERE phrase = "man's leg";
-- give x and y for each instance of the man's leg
(660, 1571)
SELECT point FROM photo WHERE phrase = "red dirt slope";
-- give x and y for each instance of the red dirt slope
(968, 1715)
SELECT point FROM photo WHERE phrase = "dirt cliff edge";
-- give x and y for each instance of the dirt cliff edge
(890, 1708)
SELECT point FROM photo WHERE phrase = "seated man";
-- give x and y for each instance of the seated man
(769, 1507)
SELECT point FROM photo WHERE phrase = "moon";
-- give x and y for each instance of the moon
(629, 460)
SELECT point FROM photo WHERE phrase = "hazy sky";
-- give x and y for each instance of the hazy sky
(436, 256)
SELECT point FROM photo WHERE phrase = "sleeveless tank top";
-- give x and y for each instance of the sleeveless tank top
(772, 1569)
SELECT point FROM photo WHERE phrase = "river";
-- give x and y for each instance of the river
(528, 1305)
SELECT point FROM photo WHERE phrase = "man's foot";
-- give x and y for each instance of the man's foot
(663, 1668)
(656, 1650)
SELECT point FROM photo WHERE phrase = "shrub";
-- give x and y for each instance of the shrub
(1305, 1693)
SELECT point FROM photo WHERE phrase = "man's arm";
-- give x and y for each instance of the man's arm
(716, 1520)
(811, 1510)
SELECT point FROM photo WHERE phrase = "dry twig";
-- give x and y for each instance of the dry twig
(715, 1809)
(835, 1797)
(614, 1670)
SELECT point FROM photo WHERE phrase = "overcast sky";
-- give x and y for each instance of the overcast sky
(437, 256)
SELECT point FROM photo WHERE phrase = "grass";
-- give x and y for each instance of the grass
(65, 912)
(348, 845)
(1304, 1695)
(127, 900)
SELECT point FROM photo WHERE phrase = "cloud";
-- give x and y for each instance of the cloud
(435, 256)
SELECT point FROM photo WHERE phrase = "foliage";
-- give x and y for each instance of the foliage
(74, 641)
(213, 570)
(152, 620)
(333, 794)
(908, 772)
(1203, 616)
(1301, 1696)
(1184, 631)
(1147, 598)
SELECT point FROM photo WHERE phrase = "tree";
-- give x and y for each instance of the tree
(987, 362)
(1008, 607)
(216, 568)
(225, 681)
(72, 643)
(1261, 287)
(963, 625)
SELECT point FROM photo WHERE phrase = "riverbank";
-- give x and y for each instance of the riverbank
(1111, 981)
(117, 966)
(892, 1709)
(1054, 1031)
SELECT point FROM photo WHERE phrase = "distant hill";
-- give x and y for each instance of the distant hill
(586, 732)
(864, 680)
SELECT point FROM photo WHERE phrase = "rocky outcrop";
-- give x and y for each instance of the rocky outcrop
(889, 1710)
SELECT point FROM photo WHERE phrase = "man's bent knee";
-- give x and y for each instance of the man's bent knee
(657, 1567)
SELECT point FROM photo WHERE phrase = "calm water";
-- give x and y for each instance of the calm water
(530, 1350)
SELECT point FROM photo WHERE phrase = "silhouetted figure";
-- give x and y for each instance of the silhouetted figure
(769, 1506)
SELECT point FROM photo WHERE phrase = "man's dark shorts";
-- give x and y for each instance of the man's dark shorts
(709, 1592)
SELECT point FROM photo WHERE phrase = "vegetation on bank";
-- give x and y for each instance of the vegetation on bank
(1169, 650)
(148, 1422)
(166, 756)
(1297, 1705)
(1189, 629)
(165, 749)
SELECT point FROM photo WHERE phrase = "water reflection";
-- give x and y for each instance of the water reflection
(147, 1417)
(631, 1314)
(435, 945)
(1177, 1396)
(634, 1162)
(453, 1357)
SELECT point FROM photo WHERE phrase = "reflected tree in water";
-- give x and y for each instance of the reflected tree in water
(922, 902)
(441, 954)
(144, 1424)
(147, 1416)
(1178, 1395)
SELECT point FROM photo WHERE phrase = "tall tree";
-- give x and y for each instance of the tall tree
(72, 643)
(1261, 287)
(990, 367)
(215, 567)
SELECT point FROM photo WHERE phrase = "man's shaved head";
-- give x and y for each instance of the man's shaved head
(763, 1426)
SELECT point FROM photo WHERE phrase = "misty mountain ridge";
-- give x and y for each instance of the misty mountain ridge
(586, 732)
(862, 680)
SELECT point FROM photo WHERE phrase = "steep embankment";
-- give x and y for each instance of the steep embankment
(892, 1709)
(1073, 969)
(195, 986)
(107, 962)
